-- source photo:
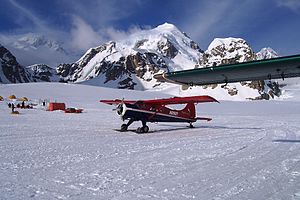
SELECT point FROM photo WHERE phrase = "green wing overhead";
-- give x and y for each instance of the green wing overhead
(283, 67)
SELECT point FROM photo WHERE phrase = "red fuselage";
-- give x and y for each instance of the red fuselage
(157, 113)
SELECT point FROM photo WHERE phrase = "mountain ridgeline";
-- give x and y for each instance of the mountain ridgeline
(131, 63)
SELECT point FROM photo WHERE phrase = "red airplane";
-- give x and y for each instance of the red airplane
(156, 111)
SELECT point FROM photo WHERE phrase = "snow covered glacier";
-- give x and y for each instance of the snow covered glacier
(251, 150)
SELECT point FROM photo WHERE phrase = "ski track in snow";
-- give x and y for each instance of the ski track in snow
(251, 150)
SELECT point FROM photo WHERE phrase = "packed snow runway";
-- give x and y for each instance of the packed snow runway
(251, 150)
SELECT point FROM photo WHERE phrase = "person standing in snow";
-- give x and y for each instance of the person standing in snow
(12, 107)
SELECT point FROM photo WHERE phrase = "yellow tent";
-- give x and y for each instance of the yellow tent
(1, 98)
(23, 99)
(12, 97)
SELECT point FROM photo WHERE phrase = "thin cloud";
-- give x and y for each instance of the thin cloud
(293, 5)
(115, 34)
(220, 19)
(91, 24)
(40, 26)
(101, 13)
(83, 36)
(28, 14)
(206, 18)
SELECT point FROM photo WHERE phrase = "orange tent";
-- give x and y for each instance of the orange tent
(56, 106)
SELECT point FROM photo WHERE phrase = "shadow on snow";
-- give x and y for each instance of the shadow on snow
(290, 141)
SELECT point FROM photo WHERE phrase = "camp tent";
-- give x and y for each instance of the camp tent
(12, 97)
(56, 106)
(23, 99)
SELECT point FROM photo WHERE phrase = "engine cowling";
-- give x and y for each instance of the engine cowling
(121, 109)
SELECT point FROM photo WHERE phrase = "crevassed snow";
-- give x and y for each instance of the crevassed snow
(249, 151)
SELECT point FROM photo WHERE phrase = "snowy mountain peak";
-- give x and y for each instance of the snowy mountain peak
(226, 42)
(42, 73)
(166, 27)
(227, 51)
(134, 60)
(35, 48)
(153, 39)
(35, 41)
(266, 53)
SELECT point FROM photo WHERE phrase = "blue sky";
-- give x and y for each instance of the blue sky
(85, 23)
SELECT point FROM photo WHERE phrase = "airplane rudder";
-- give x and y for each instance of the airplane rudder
(190, 107)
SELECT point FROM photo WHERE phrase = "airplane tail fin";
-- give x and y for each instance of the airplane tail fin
(190, 110)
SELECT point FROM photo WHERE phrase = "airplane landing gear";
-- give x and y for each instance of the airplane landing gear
(191, 125)
(143, 129)
(124, 127)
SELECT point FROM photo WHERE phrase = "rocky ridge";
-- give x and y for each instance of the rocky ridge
(10, 70)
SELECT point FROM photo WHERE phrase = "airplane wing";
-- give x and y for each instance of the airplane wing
(117, 101)
(179, 100)
(283, 67)
(167, 101)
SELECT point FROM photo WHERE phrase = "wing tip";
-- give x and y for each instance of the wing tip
(214, 100)
(160, 77)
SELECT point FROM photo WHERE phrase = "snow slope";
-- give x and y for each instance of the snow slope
(251, 150)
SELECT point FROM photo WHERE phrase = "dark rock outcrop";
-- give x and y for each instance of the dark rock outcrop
(10, 70)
